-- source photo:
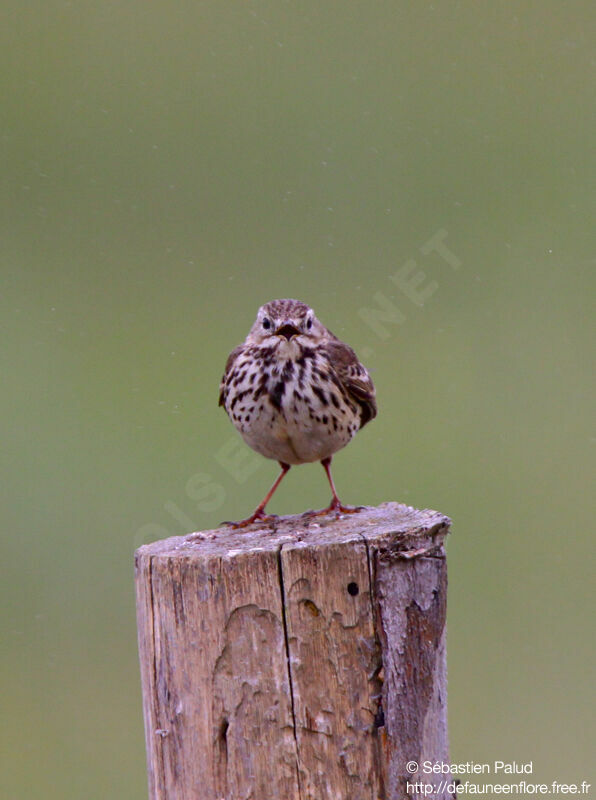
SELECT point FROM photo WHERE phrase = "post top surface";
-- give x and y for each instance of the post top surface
(412, 530)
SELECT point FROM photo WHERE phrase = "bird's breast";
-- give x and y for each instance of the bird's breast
(290, 409)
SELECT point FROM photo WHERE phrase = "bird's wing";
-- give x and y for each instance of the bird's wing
(229, 367)
(354, 378)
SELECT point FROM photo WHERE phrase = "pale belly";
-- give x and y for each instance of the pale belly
(284, 437)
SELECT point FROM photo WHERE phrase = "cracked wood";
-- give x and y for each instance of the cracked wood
(302, 660)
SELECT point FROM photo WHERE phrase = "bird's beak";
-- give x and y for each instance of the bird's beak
(288, 330)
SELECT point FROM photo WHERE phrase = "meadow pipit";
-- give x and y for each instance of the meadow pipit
(295, 392)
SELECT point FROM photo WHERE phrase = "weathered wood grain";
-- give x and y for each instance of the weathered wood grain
(302, 660)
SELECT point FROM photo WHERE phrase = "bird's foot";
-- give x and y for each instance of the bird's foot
(335, 507)
(258, 516)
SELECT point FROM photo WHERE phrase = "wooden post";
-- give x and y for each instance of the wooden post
(301, 660)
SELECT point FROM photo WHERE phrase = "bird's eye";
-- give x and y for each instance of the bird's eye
(309, 323)
(266, 323)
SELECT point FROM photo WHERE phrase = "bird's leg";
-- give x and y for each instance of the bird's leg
(259, 513)
(335, 504)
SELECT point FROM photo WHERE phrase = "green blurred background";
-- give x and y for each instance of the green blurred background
(167, 168)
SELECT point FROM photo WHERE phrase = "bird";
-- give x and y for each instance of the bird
(296, 393)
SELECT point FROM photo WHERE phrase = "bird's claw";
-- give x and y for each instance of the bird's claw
(334, 507)
(258, 516)
(339, 508)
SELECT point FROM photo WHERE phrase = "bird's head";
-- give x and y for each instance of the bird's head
(286, 321)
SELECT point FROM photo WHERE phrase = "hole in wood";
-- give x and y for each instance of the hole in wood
(379, 718)
(222, 753)
(353, 588)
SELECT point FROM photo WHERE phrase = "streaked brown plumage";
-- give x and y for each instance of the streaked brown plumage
(295, 392)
